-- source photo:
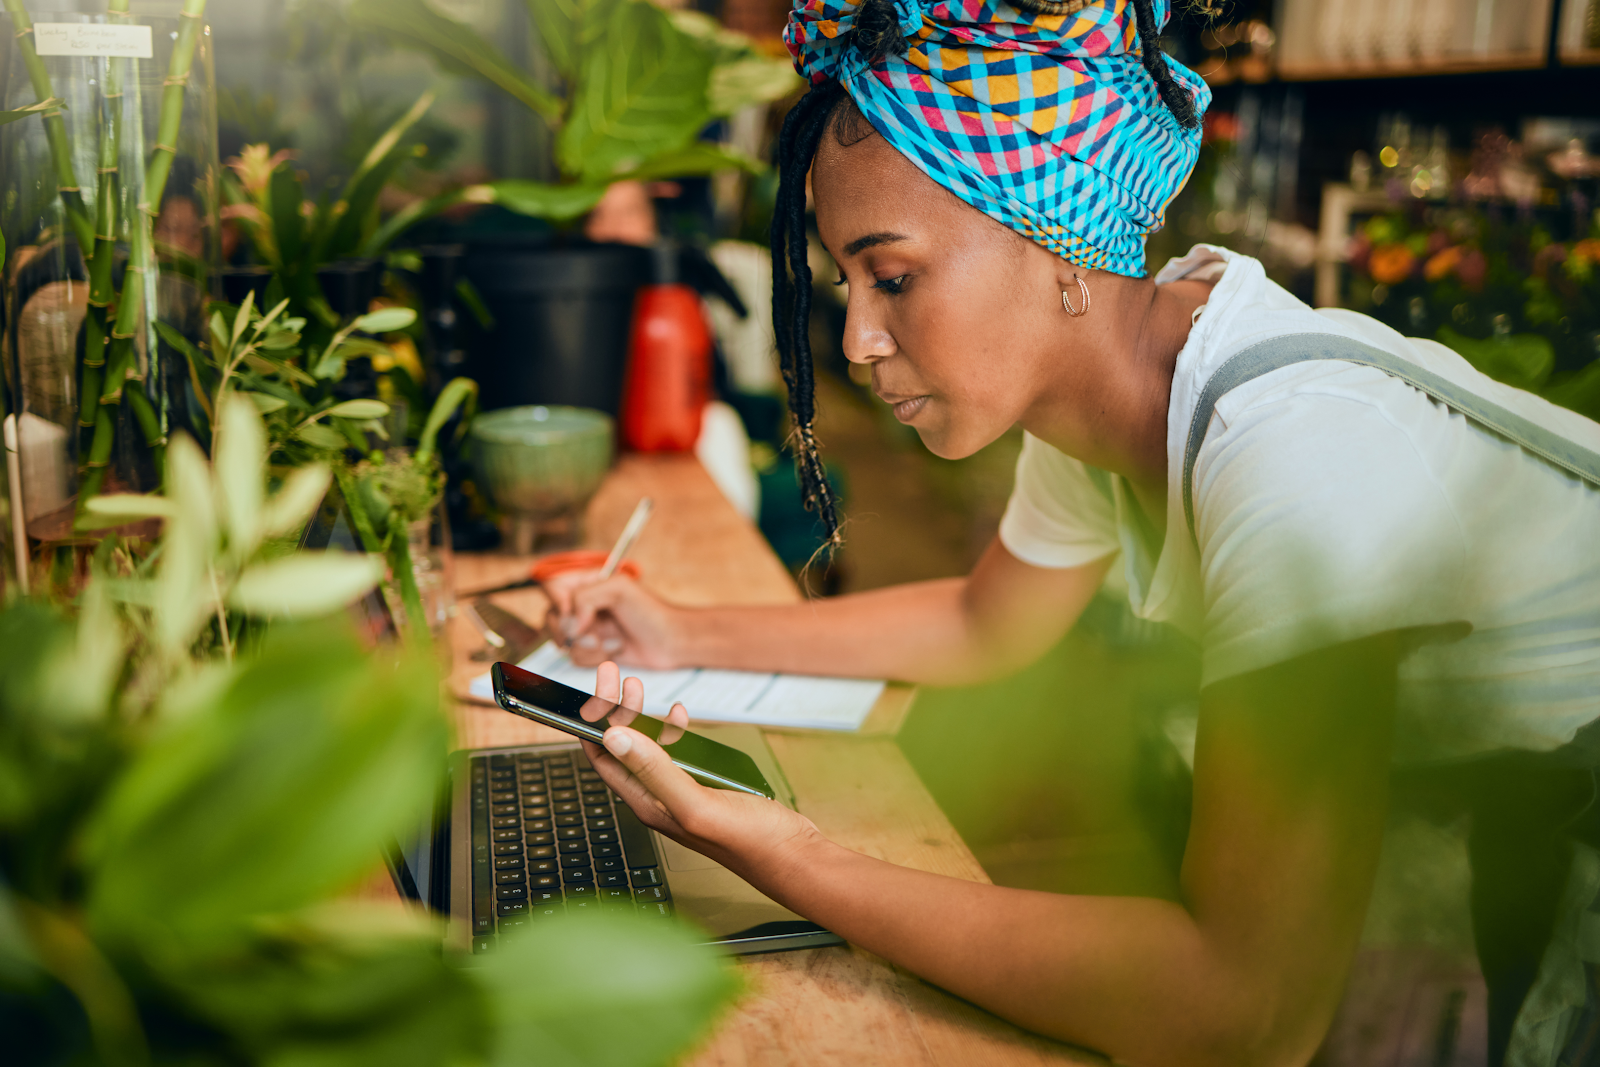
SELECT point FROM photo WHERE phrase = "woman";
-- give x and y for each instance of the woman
(1373, 578)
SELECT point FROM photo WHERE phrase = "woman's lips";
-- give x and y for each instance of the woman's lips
(906, 410)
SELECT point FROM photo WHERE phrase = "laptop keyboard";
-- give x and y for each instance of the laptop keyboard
(548, 837)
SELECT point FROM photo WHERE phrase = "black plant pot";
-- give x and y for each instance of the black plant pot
(561, 319)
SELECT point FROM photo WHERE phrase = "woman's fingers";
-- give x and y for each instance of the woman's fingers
(608, 682)
(632, 694)
(646, 761)
(677, 723)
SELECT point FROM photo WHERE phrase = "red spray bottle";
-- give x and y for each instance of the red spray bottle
(669, 363)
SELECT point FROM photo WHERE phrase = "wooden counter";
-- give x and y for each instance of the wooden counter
(815, 1006)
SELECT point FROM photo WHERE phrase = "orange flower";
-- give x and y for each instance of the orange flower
(255, 165)
(1589, 249)
(1442, 263)
(1391, 264)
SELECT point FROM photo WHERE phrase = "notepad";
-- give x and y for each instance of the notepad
(723, 696)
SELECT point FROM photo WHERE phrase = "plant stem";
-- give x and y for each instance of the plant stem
(130, 302)
(105, 229)
(222, 616)
(55, 130)
(400, 565)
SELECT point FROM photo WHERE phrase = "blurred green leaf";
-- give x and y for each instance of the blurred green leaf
(698, 158)
(54, 103)
(601, 991)
(643, 93)
(299, 496)
(306, 583)
(1524, 360)
(539, 199)
(281, 792)
(241, 457)
(360, 195)
(746, 82)
(386, 320)
(182, 596)
(454, 45)
(1578, 391)
(359, 409)
(457, 391)
(567, 27)
(126, 506)
(267, 404)
(319, 436)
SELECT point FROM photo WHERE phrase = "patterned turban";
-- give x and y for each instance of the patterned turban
(1047, 123)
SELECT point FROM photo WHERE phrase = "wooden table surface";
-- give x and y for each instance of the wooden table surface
(814, 1006)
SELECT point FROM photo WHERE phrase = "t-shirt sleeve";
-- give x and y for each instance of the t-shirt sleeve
(1059, 514)
(1320, 522)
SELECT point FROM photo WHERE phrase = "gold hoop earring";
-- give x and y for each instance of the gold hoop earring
(1067, 304)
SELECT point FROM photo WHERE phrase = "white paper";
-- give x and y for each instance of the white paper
(723, 696)
(92, 39)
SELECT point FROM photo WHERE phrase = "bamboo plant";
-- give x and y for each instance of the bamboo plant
(110, 353)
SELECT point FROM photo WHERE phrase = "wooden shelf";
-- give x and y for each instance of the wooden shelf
(1418, 69)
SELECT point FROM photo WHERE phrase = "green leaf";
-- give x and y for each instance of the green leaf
(180, 342)
(241, 318)
(282, 790)
(456, 392)
(539, 199)
(319, 436)
(386, 320)
(699, 158)
(1524, 360)
(288, 225)
(569, 992)
(454, 45)
(183, 598)
(241, 458)
(359, 409)
(126, 507)
(568, 28)
(752, 80)
(642, 93)
(294, 502)
(305, 584)
(54, 103)
(331, 366)
(267, 404)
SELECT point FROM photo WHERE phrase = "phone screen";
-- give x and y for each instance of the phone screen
(572, 710)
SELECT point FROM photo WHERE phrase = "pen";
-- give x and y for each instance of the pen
(630, 534)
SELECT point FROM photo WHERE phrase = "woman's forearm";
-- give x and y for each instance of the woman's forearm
(951, 631)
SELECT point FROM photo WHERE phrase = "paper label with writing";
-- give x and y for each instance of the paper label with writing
(92, 39)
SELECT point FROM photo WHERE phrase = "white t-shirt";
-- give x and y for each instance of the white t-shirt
(1332, 502)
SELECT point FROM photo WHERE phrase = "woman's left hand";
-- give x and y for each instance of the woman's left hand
(750, 835)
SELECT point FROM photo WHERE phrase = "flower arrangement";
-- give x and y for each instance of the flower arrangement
(1519, 305)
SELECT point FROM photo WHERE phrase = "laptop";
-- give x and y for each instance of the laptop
(524, 833)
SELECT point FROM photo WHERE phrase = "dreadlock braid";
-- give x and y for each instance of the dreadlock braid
(1175, 96)
(791, 297)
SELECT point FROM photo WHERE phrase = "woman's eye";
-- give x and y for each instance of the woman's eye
(892, 285)
(841, 280)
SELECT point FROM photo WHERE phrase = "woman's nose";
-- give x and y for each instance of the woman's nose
(865, 341)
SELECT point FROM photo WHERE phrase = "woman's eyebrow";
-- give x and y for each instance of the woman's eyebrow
(872, 239)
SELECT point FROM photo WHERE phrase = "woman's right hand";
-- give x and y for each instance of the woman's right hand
(616, 619)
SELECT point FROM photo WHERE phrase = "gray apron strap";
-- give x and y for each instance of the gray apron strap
(1270, 355)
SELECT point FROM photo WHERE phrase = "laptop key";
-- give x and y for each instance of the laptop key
(604, 849)
(544, 896)
(583, 906)
(540, 852)
(613, 878)
(569, 833)
(545, 881)
(602, 837)
(572, 819)
(512, 907)
(480, 945)
(563, 794)
(578, 892)
(575, 859)
(616, 896)
(575, 845)
(508, 848)
(507, 835)
(598, 810)
(543, 867)
(568, 807)
(538, 826)
(602, 823)
(555, 907)
(506, 863)
(651, 893)
(509, 877)
(577, 876)
(609, 863)
(542, 812)
(511, 892)
(503, 809)
(540, 839)
(659, 908)
(645, 876)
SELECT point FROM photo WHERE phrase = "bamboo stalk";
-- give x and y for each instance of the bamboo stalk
(105, 229)
(55, 130)
(129, 303)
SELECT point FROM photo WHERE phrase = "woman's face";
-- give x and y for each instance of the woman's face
(959, 317)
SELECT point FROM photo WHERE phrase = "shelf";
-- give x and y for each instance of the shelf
(1346, 72)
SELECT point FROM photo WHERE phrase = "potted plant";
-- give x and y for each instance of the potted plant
(199, 760)
(634, 88)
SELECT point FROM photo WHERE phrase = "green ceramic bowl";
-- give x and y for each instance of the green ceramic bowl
(541, 461)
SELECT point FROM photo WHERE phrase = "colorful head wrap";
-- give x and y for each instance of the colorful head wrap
(1047, 123)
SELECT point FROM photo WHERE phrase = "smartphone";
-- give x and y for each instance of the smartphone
(536, 697)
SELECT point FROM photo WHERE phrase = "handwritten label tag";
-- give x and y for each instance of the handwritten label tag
(92, 39)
